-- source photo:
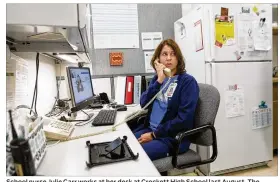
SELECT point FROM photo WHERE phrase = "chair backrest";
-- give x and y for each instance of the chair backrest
(206, 111)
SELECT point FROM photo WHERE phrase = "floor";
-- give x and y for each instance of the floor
(270, 170)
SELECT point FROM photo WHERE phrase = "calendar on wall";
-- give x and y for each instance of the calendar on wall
(261, 117)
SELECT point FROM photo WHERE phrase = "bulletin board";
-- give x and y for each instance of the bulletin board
(151, 18)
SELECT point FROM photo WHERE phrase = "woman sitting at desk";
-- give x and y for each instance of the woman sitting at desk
(173, 110)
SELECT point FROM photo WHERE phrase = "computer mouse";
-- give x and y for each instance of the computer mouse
(121, 108)
(115, 106)
(63, 118)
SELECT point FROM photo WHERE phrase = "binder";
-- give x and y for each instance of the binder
(148, 81)
(137, 89)
(120, 89)
(143, 84)
(129, 90)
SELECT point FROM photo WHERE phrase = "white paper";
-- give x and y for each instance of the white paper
(17, 81)
(261, 37)
(234, 102)
(10, 84)
(116, 41)
(245, 36)
(148, 56)
(261, 117)
(115, 26)
(10, 94)
(21, 94)
(181, 29)
(198, 36)
(150, 40)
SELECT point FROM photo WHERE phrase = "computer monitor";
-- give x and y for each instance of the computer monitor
(80, 85)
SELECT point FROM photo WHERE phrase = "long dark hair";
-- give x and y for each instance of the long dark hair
(181, 63)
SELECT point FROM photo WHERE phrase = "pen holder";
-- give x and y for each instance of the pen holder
(23, 160)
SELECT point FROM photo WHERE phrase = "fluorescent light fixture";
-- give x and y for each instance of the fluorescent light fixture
(68, 58)
(73, 57)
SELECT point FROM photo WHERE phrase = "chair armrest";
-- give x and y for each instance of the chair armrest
(182, 135)
(134, 123)
(141, 117)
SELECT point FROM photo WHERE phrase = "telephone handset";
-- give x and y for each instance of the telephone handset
(167, 72)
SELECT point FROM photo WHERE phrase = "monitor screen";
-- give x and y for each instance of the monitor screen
(80, 84)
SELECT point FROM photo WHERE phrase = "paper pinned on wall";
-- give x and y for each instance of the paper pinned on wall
(115, 26)
(180, 27)
(17, 81)
(10, 94)
(148, 55)
(245, 34)
(21, 92)
(261, 117)
(150, 40)
(10, 83)
(198, 36)
(261, 37)
(234, 101)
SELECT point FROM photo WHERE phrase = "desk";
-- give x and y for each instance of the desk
(69, 158)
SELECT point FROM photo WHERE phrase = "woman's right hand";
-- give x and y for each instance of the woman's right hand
(159, 69)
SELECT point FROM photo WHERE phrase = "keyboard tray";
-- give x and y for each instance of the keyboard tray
(100, 148)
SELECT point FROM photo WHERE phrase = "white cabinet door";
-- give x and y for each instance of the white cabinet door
(238, 143)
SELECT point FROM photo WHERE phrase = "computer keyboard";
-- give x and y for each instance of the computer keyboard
(105, 117)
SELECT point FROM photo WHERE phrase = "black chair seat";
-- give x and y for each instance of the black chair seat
(165, 164)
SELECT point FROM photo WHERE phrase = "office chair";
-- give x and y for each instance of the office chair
(203, 133)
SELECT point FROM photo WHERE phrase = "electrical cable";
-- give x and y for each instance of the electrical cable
(81, 122)
(37, 73)
(59, 83)
(57, 96)
(36, 86)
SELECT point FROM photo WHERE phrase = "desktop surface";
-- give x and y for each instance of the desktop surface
(69, 158)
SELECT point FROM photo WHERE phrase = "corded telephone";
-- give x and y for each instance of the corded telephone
(57, 130)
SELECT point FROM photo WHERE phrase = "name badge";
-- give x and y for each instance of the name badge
(171, 89)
